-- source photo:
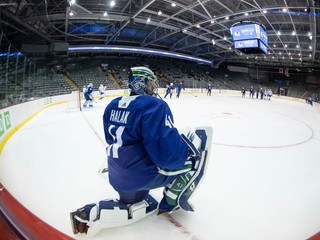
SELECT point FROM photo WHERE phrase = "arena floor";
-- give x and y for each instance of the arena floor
(262, 181)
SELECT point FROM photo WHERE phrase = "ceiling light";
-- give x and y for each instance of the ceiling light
(297, 46)
(213, 42)
(173, 4)
(105, 14)
(310, 55)
(148, 20)
(284, 10)
(112, 3)
(184, 30)
(72, 2)
(198, 25)
(160, 12)
(264, 11)
(71, 13)
(310, 47)
(212, 21)
(310, 37)
(246, 14)
(274, 45)
(285, 45)
(309, 34)
(224, 38)
(278, 33)
(293, 33)
(227, 17)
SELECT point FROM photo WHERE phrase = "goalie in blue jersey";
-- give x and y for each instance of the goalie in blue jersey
(145, 151)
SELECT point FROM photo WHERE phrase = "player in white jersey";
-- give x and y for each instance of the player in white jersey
(102, 90)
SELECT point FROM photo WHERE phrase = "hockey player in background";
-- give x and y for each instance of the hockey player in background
(145, 151)
(209, 89)
(243, 91)
(169, 90)
(102, 90)
(309, 100)
(179, 88)
(251, 92)
(84, 89)
(88, 96)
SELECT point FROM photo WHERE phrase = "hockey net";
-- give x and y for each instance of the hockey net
(74, 103)
(282, 92)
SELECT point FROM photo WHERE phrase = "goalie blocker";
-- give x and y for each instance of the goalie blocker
(112, 213)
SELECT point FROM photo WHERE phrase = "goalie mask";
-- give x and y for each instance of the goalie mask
(143, 81)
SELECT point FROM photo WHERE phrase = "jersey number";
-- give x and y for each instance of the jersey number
(118, 140)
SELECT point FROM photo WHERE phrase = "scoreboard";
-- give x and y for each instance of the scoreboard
(250, 38)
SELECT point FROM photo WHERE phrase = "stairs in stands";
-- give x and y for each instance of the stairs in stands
(71, 83)
(114, 80)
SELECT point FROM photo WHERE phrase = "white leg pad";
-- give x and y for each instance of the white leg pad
(138, 210)
(121, 216)
(93, 213)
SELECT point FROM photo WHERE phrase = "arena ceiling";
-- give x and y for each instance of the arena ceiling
(195, 27)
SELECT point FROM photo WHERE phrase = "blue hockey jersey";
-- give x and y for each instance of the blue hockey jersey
(141, 136)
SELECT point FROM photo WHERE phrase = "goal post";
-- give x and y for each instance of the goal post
(282, 92)
(74, 103)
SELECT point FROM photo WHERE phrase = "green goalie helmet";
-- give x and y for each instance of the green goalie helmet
(143, 81)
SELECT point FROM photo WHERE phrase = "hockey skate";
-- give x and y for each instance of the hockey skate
(78, 222)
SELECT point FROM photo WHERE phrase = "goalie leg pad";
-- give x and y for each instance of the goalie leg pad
(113, 213)
(173, 190)
(205, 134)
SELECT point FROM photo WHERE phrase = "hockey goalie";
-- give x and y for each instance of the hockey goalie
(145, 151)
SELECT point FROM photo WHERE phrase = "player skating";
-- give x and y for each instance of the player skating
(251, 92)
(102, 91)
(243, 91)
(84, 89)
(169, 90)
(179, 88)
(145, 152)
(88, 96)
(309, 100)
(209, 89)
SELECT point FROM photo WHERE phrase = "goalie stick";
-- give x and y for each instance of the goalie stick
(192, 94)
(103, 170)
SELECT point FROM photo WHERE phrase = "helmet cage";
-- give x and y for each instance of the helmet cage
(142, 81)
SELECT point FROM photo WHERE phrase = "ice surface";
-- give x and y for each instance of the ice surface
(262, 181)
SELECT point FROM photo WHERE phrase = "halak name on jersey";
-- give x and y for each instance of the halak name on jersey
(119, 116)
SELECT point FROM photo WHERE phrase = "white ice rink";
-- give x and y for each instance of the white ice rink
(262, 183)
